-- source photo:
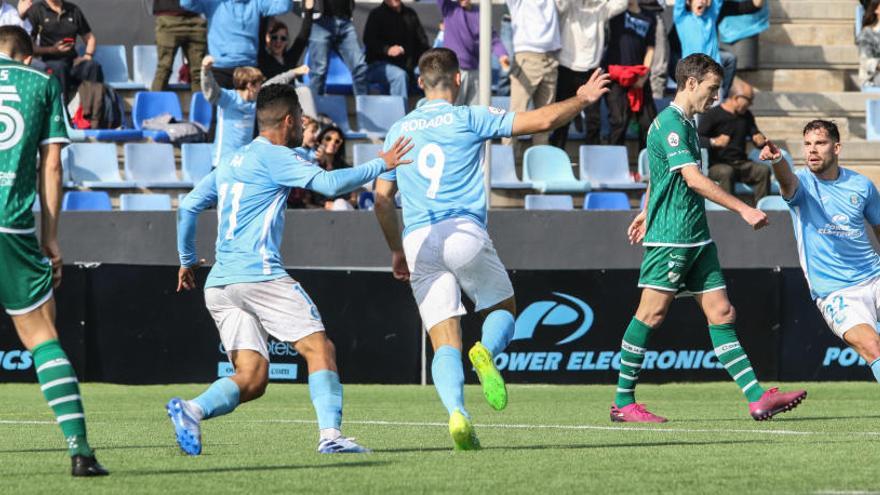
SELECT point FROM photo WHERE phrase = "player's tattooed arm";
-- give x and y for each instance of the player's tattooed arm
(386, 213)
(788, 182)
(551, 116)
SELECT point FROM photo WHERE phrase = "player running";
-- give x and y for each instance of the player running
(445, 246)
(248, 292)
(679, 252)
(829, 205)
(31, 119)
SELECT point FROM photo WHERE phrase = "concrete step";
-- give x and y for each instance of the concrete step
(827, 104)
(791, 128)
(798, 80)
(825, 33)
(776, 56)
(811, 10)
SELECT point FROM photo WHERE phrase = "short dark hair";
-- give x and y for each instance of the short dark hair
(698, 66)
(437, 68)
(17, 41)
(274, 102)
(829, 126)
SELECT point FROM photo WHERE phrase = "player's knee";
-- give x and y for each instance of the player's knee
(722, 313)
(868, 346)
(653, 317)
(252, 382)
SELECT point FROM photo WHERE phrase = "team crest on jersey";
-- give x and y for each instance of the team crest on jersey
(673, 277)
(673, 139)
(497, 111)
(854, 199)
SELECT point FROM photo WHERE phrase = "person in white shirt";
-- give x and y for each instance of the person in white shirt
(15, 16)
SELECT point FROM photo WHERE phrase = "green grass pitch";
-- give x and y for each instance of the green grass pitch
(550, 439)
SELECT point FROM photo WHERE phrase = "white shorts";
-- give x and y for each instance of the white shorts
(448, 257)
(855, 305)
(247, 313)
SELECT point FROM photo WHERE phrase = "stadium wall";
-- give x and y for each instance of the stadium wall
(575, 277)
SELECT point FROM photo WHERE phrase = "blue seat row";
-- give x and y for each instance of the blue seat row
(144, 58)
(145, 165)
(100, 201)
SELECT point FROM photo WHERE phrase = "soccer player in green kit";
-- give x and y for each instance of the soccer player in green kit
(679, 252)
(31, 119)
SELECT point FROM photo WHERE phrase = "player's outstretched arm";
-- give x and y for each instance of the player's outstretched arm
(557, 114)
(788, 182)
(345, 180)
(50, 206)
(708, 189)
(201, 197)
(386, 213)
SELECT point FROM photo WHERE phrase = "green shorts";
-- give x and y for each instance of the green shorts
(25, 274)
(695, 269)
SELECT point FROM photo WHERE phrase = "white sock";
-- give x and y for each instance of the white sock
(330, 434)
(194, 410)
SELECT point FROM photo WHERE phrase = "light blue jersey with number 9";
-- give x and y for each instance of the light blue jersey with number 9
(445, 179)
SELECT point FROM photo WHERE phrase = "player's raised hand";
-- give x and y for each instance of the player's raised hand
(399, 268)
(770, 152)
(394, 156)
(53, 252)
(636, 230)
(756, 218)
(186, 276)
(594, 88)
(207, 62)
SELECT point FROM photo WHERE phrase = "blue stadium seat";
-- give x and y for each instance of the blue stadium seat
(644, 201)
(377, 113)
(549, 202)
(712, 206)
(195, 161)
(148, 104)
(606, 200)
(200, 110)
(772, 203)
(745, 189)
(152, 165)
(364, 152)
(144, 202)
(366, 200)
(872, 119)
(503, 169)
(144, 60)
(124, 133)
(607, 167)
(94, 165)
(548, 169)
(338, 79)
(335, 107)
(115, 67)
(644, 167)
(86, 201)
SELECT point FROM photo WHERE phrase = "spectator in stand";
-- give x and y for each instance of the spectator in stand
(330, 155)
(868, 41)
(461, 21)
(724, 129)
(278, 56)
(660, 61)
(299, 197)
(16, 16)
(56, 25)
(629, 60)
(234, 32)
(582, 25)
(536, 44)
(394, 39)
(334, 30)
(178, 28)
(696, 22)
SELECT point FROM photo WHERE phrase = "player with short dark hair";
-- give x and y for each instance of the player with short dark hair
(248, 293)
(679, 252)
(829, 206)
(445, 248)
(32, 119)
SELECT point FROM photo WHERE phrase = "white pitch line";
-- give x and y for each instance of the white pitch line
(574, 427)
(17, 422)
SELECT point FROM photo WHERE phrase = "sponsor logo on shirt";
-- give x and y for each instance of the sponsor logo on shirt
(840, 228)
(854, 199)
(418, 124)
(7, 179)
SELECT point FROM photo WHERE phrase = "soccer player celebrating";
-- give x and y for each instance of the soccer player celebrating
(445, 246)
(829, 205)
(248, 292)
(32, 119)
(680, 253)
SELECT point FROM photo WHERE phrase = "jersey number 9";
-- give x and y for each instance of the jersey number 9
(431, 172)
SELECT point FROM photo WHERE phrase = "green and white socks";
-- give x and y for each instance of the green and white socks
(731, 354)
(632, 354)
(61, 389)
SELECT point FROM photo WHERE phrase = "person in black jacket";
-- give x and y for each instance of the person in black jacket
(278, 56)
(395, 39)
(178, 28)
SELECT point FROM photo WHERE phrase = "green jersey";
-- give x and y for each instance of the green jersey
(676, 214)
(31, 115)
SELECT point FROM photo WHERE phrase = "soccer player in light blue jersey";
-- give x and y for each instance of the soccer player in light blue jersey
(829, 206)
(445, 248)
(248, 292)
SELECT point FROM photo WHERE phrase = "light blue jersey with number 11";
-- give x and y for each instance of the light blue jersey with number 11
(446, 178)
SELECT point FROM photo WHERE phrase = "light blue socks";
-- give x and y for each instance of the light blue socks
(448, 374)
(220, 398)
(497, 331)
(875, 367)
(326, 393)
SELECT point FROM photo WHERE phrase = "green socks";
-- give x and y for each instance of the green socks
(632, 353)
(61, 389)
(731, 354)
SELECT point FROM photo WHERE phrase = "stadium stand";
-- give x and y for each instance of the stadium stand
(606, 200)
(86, 201)
(144, 202)
(200, 110)
(503, 169)
(149, 104)
(151, 165)
(364, 152)
(338, 76)
(335, 107)
(643, 168)
(773, 203)
(377, 113)
(94, 165)
(195, 161)
(548, 169)
(549, 202)
(144, 58)
(607, 167)
(115, 65)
